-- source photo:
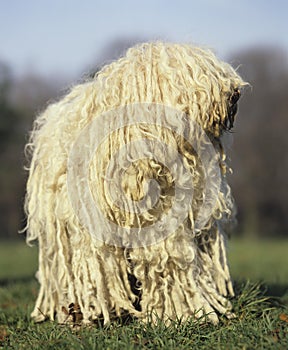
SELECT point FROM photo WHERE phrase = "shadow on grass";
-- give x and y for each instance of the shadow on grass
(276, 294)
(277, 290)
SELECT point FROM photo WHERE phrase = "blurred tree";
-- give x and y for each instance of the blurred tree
(8, 116)
(10, 183)
(261, 162)
(20, 98)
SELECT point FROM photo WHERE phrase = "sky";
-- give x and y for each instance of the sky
(67, 36)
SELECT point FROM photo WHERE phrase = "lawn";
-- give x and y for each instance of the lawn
(260, 271)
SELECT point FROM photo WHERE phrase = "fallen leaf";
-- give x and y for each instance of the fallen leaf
(284, 317)
(3, 333)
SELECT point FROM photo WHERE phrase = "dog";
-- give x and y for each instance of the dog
(127, 193)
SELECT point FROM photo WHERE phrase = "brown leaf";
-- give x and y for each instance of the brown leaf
(284, 317)
(3, 333)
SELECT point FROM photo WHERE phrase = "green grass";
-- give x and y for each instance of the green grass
(260, 308)
(265, 260)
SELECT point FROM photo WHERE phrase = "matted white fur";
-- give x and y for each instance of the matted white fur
(95, 269)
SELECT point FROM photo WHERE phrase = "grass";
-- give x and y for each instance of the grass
(261, 308)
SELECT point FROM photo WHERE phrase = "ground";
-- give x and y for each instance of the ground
(259, 269)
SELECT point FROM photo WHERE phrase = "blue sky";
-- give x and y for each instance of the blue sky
(66, 36)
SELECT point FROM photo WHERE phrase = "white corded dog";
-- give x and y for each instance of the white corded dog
(127, 193)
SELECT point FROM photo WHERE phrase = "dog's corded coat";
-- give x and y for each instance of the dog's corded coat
(186, 274)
